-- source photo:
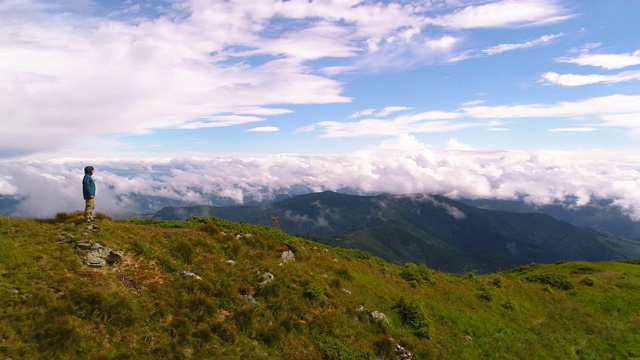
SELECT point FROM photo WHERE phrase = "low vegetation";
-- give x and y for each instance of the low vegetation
(199, 289)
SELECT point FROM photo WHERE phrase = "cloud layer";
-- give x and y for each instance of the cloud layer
(399, 166)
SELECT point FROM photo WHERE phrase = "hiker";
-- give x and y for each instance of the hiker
(89, 193)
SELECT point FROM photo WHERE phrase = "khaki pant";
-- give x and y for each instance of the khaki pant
(90, 204)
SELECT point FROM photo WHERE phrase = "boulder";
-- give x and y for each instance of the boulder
(288, 256)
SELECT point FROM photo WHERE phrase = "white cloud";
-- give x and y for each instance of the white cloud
(573, 129)
(444, 43)
(391, 109)
(506, 13)
(425, 122)
(497, 49)
(580, 80)
(605, 61)
(453, 144)
(402, 165)
(265, 129)
(612, 110)
(218, 121)
(361, 113)
(599, 108)
(196, 65)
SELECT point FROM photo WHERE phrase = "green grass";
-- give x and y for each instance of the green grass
(317, 307)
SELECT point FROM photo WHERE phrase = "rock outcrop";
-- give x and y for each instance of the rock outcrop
(97, 255)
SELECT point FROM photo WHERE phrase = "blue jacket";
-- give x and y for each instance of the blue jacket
(88, 187)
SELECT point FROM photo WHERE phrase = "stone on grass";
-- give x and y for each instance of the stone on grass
(188, 274)
(288, 256)
(266, 278)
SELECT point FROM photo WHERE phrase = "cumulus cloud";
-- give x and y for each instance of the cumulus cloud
(402, 165)
(187, 66)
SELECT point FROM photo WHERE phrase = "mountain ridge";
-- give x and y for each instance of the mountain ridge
(445, 234)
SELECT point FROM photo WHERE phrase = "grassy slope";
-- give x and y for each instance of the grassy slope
(53, 306)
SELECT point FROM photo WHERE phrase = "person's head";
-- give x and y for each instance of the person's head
(88, 170)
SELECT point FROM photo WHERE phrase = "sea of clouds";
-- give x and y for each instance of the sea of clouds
(129, 187)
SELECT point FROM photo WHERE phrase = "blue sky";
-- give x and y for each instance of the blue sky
(491, 98)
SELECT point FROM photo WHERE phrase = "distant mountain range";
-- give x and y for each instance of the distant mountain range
(599, 215)
(445, 234)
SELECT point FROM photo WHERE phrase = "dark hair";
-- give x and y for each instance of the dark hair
(88, 169)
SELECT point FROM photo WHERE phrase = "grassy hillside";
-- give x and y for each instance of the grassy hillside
(329, 303)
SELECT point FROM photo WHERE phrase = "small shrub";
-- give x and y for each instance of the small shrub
(335, 283)
(58, 337)
(313, 291)
(102, 216)
(588, 281)
(485, 294)
(525, 269)
(138, 247)
(62, 217)
(270, 290)
(233, 248)
(203, 333)
(201, 308)
(416, 275)
(344, 273)
(413, 315)
(183, 251)
(271, 336)
(586, 269)
(472, 277)
(167, 264)
(384, 347)
(557, 281)
(225, 331)
(509, 305)
(209, 229)
(179, 328)
(99, 305)
(497, 282)
(634, 262)
(337, 349)
(245, 318)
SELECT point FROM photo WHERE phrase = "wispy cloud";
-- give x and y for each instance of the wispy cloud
(362, 113)
(573, 129)
(581, 80)
(265, 129)
(612, 110)
(506, 13)
(605, 61)
(497, 49)
(391, 109)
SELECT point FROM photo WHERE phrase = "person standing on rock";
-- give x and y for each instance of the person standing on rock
(89, 193)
